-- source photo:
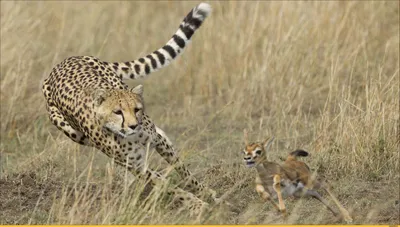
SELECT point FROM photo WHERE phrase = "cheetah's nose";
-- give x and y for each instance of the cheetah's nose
(247, 158)
(133, 126)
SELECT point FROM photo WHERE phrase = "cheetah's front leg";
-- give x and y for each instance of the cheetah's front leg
(195, 205)
(165, 148)
(58, 120)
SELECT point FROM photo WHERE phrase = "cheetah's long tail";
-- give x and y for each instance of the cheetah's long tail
(162, 57)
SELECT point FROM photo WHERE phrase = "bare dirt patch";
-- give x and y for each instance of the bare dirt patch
(22, 195)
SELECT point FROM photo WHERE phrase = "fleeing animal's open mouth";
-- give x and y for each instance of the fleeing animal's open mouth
(250, 164)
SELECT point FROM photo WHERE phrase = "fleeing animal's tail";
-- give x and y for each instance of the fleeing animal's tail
(296, 153)
(160, 58)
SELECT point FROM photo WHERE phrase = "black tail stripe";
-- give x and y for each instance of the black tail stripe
(189, 16)
(147, 69)
(170, 50)
(161, 57)
(152, 60)
(187, 31)
(179, 41)
(195, 22)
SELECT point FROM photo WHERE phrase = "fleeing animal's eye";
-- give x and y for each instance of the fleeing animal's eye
(258, 152)
(119, 112)
(136, 110)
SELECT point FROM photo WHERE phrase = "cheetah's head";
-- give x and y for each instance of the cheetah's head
(120, 111)
(255, 153)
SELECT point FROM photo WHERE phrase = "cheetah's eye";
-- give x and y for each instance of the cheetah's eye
(136, 110)
(258, 152)
(118, 112)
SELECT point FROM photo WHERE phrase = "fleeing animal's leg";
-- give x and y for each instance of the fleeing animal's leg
(316, 195)
(277, 188)
(343, 211)
(266, 196)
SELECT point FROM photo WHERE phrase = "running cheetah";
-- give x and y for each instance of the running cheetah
(88, 100)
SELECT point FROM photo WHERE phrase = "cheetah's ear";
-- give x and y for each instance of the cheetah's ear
(98, 95)
(138, 90)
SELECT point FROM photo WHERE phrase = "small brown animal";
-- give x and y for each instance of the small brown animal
(292, 178)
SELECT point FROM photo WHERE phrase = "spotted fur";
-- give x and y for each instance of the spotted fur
(88, 100)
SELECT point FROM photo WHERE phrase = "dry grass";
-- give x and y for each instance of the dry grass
(323, 76)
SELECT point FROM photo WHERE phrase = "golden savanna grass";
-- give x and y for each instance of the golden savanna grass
(321, 76)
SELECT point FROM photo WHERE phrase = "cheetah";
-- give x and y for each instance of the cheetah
(292, 178)
(87, 100)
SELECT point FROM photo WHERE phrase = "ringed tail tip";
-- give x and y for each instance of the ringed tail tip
(203, 10)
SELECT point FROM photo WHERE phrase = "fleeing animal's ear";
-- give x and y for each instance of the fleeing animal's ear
(138, 90)
(98, 95)
(267, 142)
(246, 137)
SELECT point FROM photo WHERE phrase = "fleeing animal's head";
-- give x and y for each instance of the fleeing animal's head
(255, 152)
